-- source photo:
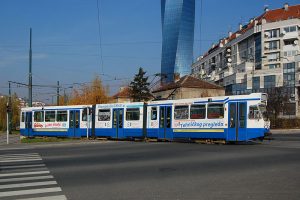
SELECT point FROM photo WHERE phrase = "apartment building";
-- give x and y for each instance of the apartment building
(258, 57)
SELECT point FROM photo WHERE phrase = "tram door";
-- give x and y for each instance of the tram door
(237, 118)
(28, 123)
(74, 123)
(165, 121)
(118, 123)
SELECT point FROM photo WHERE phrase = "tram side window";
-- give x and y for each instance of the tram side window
(84, 115)
(215, 111)
(50, 116)
(154, 113)
(39, 116)
(23, 117)
(104, 115)
(62, 116)
(181, 112)
(132, 114)
(253, 112)
(198, 112)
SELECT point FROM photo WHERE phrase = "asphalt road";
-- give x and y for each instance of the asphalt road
(138, 170)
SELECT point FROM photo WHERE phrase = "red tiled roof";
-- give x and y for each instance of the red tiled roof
(188, 82)
(282, 14)
(279, 14)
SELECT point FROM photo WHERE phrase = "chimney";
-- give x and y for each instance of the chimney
(229, 34)
(266, 9)
(286, 6)
(240, 26)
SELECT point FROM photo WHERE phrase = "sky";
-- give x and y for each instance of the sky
(66, 38)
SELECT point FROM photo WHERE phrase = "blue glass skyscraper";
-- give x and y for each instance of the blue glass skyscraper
(178, 20)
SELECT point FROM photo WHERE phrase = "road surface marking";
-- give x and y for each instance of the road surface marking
(23, 160)
(32, 191)
(26, 178)
(24, 173)
(19, 154)
(18, 185)
(22, 166)
(59, 197)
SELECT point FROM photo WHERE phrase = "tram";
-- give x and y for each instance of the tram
(229, 118)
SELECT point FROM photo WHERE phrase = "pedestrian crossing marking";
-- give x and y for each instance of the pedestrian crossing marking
(31, 191)
(24, 173)
(19, 158)
(58, 197)
(26, 178)
(22, 166)
(23, 176)
(16, 185)
(19, 154)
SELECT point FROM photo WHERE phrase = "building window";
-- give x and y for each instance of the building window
(239, 88)
(198, 111)
(272, 33)
(290, 29)
(181, 112)
(132, 114)
(273, 57)
(289, 74)
(270, 81)
(257, 40)
(256, 82)
(215, 111)
(104, 115)
(273, 66)
(273, 45)
(62, 116)
(290, 53)
(50, 116)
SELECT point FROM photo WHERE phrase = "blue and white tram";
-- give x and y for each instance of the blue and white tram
(58, 121)
(119, 120)
(229, 118)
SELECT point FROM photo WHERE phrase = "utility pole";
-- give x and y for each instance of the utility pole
(9, 114)
(30, 73)
(65, 97)
(57, 93)
(7, 123)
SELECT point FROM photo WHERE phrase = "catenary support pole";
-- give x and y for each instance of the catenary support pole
(10, 110)
(57, 94)
(30, 74)
(7, 124)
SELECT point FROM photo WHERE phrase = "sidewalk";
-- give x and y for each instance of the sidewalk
(13, 138)
(284, 131)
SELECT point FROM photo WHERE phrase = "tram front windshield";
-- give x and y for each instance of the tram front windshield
(263, 110)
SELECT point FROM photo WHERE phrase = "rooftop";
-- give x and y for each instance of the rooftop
(280, 14)
(123, 93)
(188, 82)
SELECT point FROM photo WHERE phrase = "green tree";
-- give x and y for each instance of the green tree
(276, 103)
(140, 87)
